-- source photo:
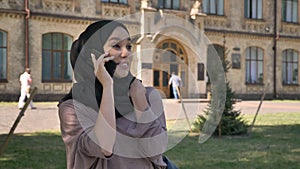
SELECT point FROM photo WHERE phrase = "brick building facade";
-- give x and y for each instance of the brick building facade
(260, 38)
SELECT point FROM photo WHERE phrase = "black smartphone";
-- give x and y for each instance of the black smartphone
(110, 66)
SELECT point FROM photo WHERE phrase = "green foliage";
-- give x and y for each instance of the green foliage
(231, 122)
(273, 143)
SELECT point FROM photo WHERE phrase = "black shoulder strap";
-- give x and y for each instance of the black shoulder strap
(132, 80)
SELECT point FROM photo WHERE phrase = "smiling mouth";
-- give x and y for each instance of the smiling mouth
(123, 65)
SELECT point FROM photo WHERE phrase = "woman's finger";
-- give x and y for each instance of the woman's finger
(106, 59)
(99, 54)
(94, 61)
(101, 57)
(93, 54)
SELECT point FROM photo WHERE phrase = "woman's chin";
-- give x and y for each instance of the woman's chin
(121, 74)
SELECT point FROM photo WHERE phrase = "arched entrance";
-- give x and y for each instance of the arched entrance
(169, 57)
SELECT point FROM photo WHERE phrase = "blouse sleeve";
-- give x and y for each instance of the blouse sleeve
(149, 131)
(77, 139)
(152, 122)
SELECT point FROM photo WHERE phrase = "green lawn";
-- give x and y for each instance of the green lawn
(273, 144)
(40, 150)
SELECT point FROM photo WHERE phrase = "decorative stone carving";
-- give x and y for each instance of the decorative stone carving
(16, 4)
(255, 26)
(255, 88)
(195, 9)
(115, 11)
(4, 4)
(60, 6)
(12, 4)
(147, 5)
(290, 29)
(215, 21)
(290, 89)
(144, 4)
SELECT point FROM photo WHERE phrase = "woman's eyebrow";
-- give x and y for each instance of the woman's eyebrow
(115, 39)
(119, 39)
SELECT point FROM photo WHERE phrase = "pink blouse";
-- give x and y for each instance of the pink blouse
(139, 145)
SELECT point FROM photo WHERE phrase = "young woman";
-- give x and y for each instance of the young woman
(109, 120)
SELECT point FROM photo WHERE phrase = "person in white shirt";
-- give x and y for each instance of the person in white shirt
(25, 80)
(176, 83)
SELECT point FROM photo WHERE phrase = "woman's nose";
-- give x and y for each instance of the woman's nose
(125, 52)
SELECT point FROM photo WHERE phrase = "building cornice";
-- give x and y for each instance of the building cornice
(70, 18)
(12, 13)
(248, 34)
(252, 35)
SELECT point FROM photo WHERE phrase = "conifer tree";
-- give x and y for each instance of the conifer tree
(231, 122)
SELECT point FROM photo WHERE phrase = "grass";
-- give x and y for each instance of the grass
(43, 150)
(265, 149)
(285, 100)
(273, 144)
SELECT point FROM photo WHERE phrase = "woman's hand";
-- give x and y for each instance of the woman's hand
(137, 93)
(105, 126)
(100, 71)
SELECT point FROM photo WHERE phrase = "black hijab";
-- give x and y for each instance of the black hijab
(87, 89)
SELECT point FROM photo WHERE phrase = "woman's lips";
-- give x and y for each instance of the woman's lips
(123, 65)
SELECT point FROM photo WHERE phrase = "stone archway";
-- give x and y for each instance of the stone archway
(169, 57)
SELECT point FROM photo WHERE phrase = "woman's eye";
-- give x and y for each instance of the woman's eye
(129, 47)
(117, 46)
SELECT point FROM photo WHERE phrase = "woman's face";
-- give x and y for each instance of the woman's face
(119, 46)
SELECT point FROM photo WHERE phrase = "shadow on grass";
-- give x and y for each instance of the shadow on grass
(41, 150)
(273, 147)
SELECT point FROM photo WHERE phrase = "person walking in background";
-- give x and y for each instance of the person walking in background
(26, 80)
(175, 81)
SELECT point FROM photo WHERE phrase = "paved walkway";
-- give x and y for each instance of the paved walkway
(45, 117)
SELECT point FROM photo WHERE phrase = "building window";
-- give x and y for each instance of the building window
(168, 4)
(254, 65)
(115, 1)
(55, 57)
(3, 56)
(290, 11)
(215, 56)
(201, 71)
(235, 61)
(215, 7)
(290, 67)
(253, 9)
(156, 77)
